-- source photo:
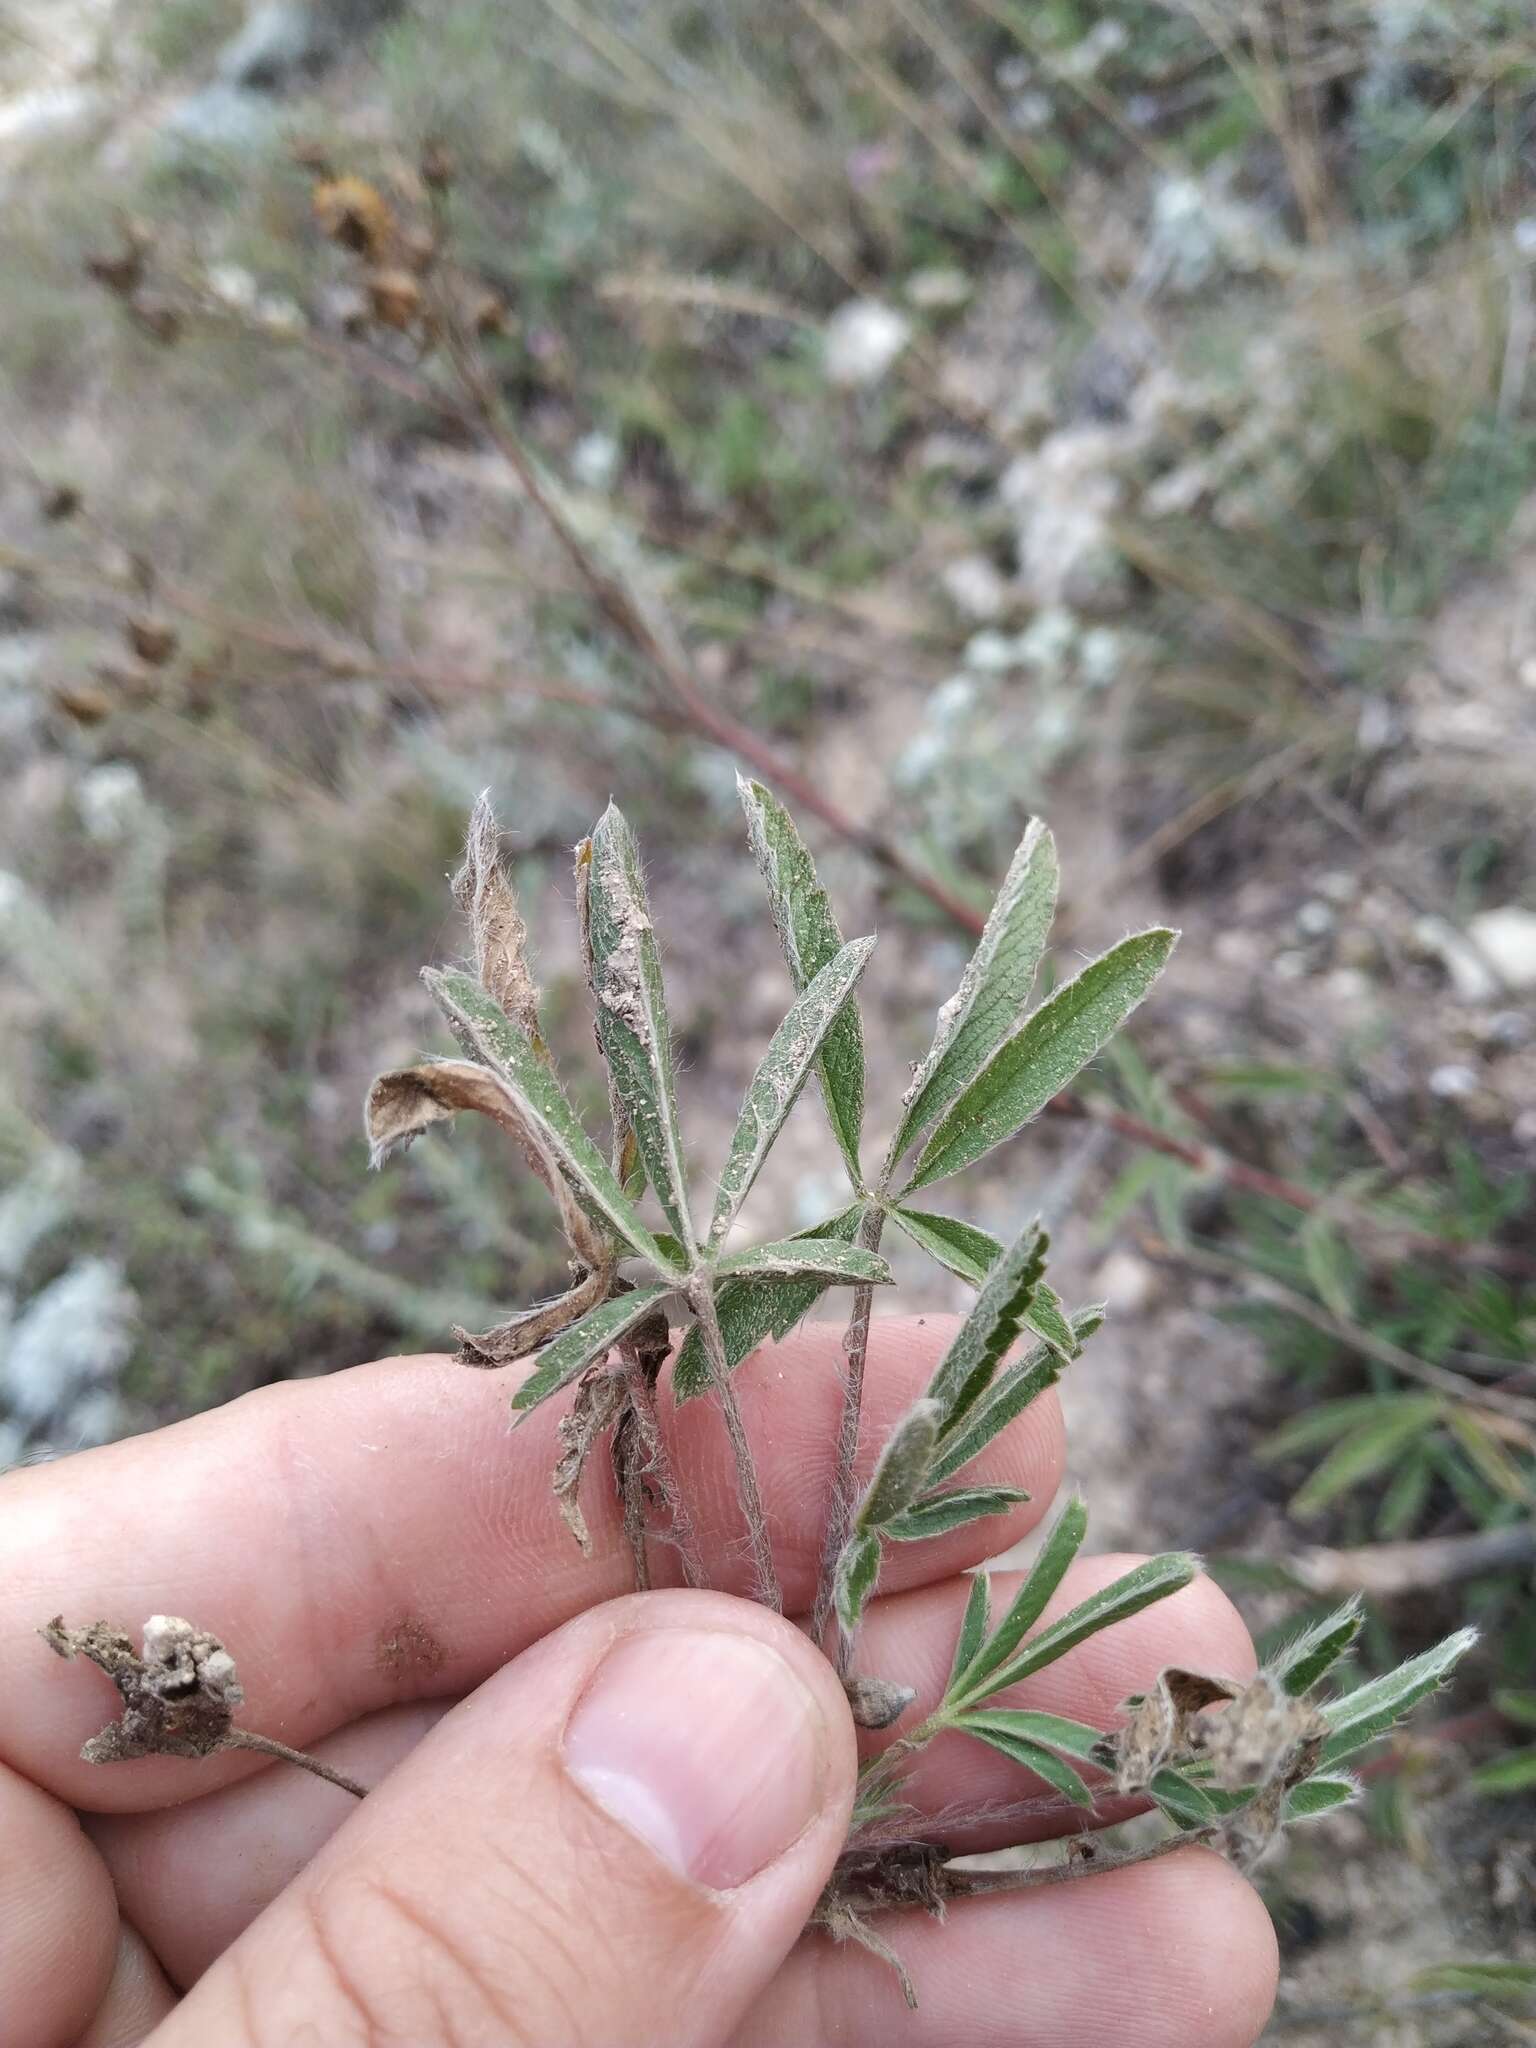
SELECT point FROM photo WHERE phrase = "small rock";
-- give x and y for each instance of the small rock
(1127, 1282)
(1337, 885)
(219, 117)
(1508, 937)
(863, 340)
(1527, 672)
(71, 1337)
(1472, 978)
(1451, 1083)
(1523, 1129)
(1315, 920)
(1348, 985)
(975, 587)
(1289, 966)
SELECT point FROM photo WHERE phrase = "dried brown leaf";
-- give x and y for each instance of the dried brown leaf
(601, 1396)
(523, 1334)
(404, 1103)
(1262, 1736)
(1159, 1724)
(497, 931)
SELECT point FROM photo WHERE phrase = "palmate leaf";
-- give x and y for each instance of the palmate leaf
(963, 1249)
(632, 1024)
(782, 1074)
(988, 1006)
(1317, 1649)
(1004, 1401)
(1136, 1589)
(1029, 1603)
(935, 1514)
(970, 1253)
(967, 1367)
(826, 1259)
(1045, 1055)
(808, 933)
(753, 1311)
(1370, 1710)
(584, 1343)
(973, 1628)
(858, 1568)
(1367, 1450)
(901, 1468)
(484, 1032)
(1034, 1756)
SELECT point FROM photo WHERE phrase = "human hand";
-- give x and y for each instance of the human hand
(599, 1820)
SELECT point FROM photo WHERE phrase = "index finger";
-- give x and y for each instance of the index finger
(378, 1536)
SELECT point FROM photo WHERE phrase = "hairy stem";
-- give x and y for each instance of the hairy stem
(266, 1745)
(839, 1515)
(631, 1483)
(702, 1301)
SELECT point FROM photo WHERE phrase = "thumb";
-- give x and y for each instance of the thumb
(617, 1839)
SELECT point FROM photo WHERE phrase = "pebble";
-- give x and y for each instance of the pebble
(1315, 920)
(863, 339)
(1508, 937)
(1452, 1082)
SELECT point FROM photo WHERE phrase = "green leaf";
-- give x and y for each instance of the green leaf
(973, 1627)
(1368, 1450)
(1052, 1731)
(966, 1369)
(584, 1343)
(1483, 1980)
(1056, 1553)
(1063, 1035)
(782, 1074)
(1060, 1776)
(901, 1467)
(828, 1258)
(961, 1248)
(857, 1570)
(1370, 1710)
(1192, 1805)
(484, 1032)
(1515, 1772)
(1515, 1706)
(988, 1006)
(937, 1513)
(752, 1311)
(1005, 1400)
(1326, 1423)
(1317, 1649)
(1050, 1323)
(632, 1025)
(808, 933)
(1329, 1263)
(1139, 1588)
(1314, 1797)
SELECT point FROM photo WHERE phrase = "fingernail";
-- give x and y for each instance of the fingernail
(706, 1745)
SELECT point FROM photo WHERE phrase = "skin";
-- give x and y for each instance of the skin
(388, 1568)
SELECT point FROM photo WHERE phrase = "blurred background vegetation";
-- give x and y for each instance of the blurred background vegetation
(1121, 412)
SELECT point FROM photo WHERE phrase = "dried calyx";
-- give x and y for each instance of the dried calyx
(179, 1692)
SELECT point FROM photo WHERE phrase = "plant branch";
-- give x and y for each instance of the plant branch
(266, 1745)
(839, 1514)
(1515, 1408)
(702, 1301)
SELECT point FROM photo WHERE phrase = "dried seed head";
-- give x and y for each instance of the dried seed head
(179, 1695)
(601, 1396)
(877, 1702)
(152, 640)
(1260, 1737)
(354, 214)
(394, 297)
(1160, 1724)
